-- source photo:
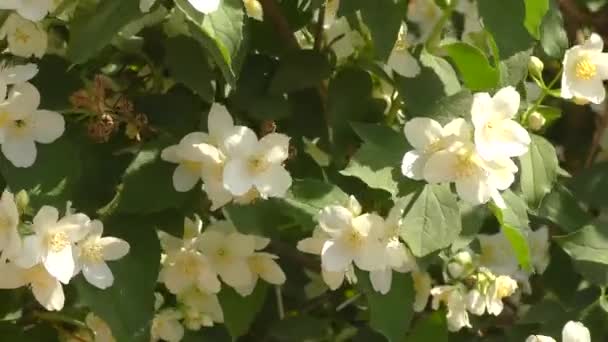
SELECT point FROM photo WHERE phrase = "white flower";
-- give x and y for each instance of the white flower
(427, 136)
(455, 301)
(254, 9)
(254, 164)
(585, 69)
(34, 10)
(344, 41)
(189, 157)
(200, 309)
(25, 38)
(46, 288)
(53, 242)
(400, 59)
(205, 6)
(353, 238)
(10, 240)
(94, 251)
(396, 255)
(501, 287)
(22, 124)
(477, 181)
(263, 265)
(422, 286)
(539, 243)
(426, 14)
(497, 254)
(166, 326)
(100, 328)
(572, 332)
(497, 135)
(186, 268)
(229, 254)
(16, 74)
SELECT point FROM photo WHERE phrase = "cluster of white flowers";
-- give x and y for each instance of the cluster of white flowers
(23, 29)
(474, 289)
(57, 250)
(252, 7)
(477, 157)
(193, 266)
(22, 124)
(230, 160)
(572, 332)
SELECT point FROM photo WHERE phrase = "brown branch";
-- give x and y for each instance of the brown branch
(272, 11)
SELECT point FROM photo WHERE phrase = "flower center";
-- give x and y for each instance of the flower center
(190, 265)
(92, 252)
(585, 69)
(465, 167)
(192, 166)
(354, 239)
(257, 165)
(58, 241)
(435, 146)
(21, 36)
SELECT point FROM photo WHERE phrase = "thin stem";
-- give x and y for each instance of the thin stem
(280, 305)
(58, 318)
(541, 98)
(435, 37)
(348, 302)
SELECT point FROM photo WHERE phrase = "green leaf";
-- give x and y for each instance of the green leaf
(535, 12)
(240, 312)
(505, 21)
(473, 218)
(514, 223)
(553, 37)
(90, 32)
(432, 221)
(514, 69)
(308, 196)
(437, 79)
(591, 185)
(473, 66)
(221, 33)
(261, 217)
(377, 162)
(589, 243)
(298, 70)
(562, 209)
(383, 18)
(187, 64)
(128, 305)
(392, 313)
(54, 176)
(300, 329)
(55, 95)
(433, 327)
(148, 183)
(538, 170)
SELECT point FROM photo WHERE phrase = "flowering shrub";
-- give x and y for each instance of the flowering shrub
(303, 170)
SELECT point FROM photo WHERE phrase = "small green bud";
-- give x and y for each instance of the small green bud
(536, 121)
(461, 265)
(22, 199)
(535, 67)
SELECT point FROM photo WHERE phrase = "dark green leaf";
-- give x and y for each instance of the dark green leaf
(432, 221)
(300, 70)
(562, 209)
(505, 21)
(187, 64)
(392, 313)
(473, 66)
(300, 329)
(383, 18)
(553, 37)
(591, 185)
(433, 327)
(92, 31)
(128, 306)
(538, 171)
(535, 12)
(514, 224)
(589, 243)
(240, 312)
(55, 95)
(514, 69)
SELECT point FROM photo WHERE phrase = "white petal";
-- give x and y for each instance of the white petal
(30, 253)
(49, 294)
(575, 332)
(210, 241)
(20, 152)
(219, 122)
(77, 226)
(19, 73)
(335, 257)
(311, 245)
(46, 216)
(412, 165)
(422, 285)
(34, 10)
(237, 178)
(506, 102)
(240, 245)
(601, 62)
(441, 167)
(272, 272)
(12, 276)
(482, 109)
(595, 42)
(22, 101)
(592, 90)
(473, 190)
(370, 256)
(274, 147)
(459, 129)
(403, 63)
(184, 179)
(333, 279)
(334, 219)
(60, 264)
(539, 338)
(98, 274)
(170, 154)
(47, 126)
(10, 4)
(476, 303)
(216, 192)
(205, 6)
(369, 225)
(273, 182)
(241, 142)
(421, 132)
(194, 138)
(114, 248)
(381, 280)
(236, 274)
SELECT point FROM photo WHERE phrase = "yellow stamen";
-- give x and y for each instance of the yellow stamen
(585, 69)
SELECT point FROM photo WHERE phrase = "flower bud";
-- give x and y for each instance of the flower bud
(254, 9)
(461, 265)
(22, 199)
(535, 67)
(580, 101)
(536, 121)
